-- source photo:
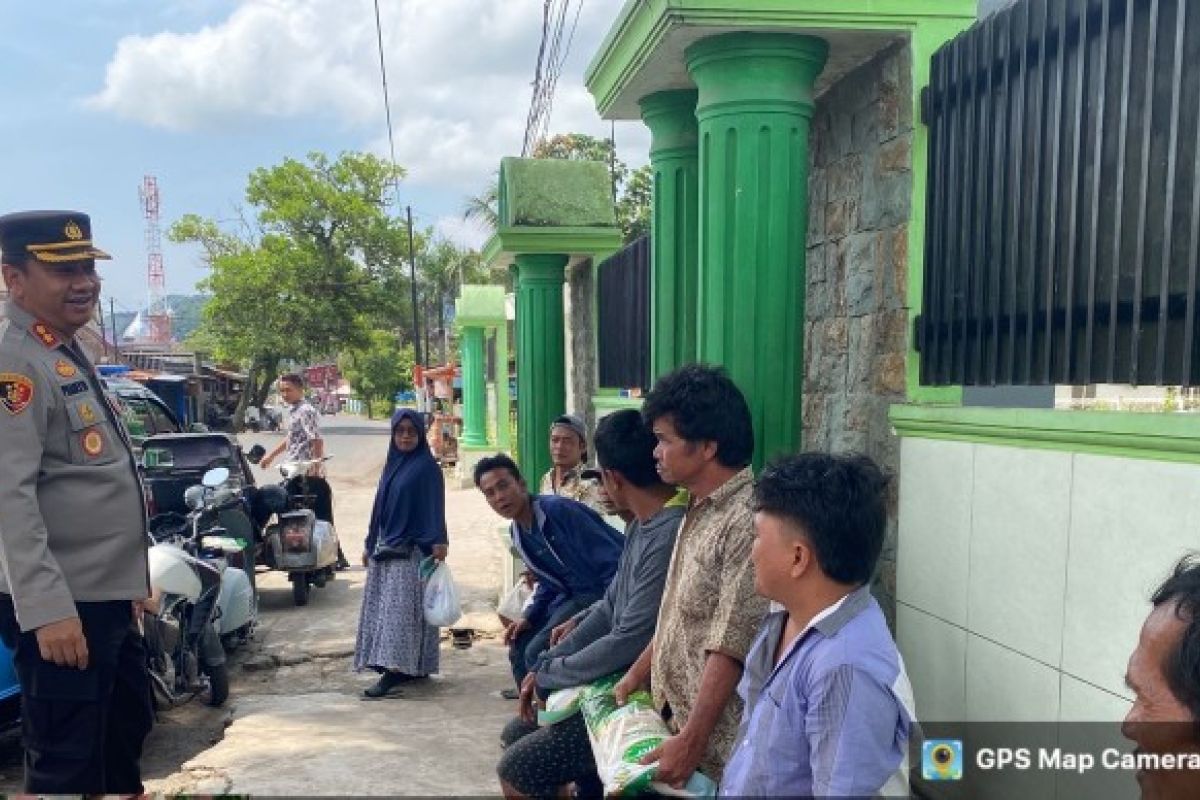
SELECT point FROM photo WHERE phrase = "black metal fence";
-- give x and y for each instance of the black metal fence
(1063, 208)
(623, 332)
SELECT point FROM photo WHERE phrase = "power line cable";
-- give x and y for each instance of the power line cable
(558, 61)
(387, 107)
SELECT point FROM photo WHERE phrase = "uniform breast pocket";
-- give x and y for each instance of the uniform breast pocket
(92, 439)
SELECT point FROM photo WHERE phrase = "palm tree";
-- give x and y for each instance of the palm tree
(483, 208)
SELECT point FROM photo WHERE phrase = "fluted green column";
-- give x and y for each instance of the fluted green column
(474, 388)
(503, 434)
(756, 102)
(541, 368)
(674, 159)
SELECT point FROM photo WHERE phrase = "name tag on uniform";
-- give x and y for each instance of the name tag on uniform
(72, 389)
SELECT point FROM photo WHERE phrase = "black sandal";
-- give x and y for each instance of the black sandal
(388, 685)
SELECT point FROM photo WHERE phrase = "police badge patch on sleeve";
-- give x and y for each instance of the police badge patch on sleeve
(16, 392)
(93, 442)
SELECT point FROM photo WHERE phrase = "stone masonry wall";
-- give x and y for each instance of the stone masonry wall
(856, 324)
(581, 344)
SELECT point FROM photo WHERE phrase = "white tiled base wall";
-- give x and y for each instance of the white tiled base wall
(1024, 575)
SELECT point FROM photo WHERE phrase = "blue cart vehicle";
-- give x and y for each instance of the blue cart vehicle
(10, 690)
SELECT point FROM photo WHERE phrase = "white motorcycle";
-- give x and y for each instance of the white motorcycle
(302, 540)
(200, 604)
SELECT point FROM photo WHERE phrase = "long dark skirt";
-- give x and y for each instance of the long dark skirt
(392, 632)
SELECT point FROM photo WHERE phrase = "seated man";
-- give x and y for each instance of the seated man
(572, 552)
(828, 706)
(608, 636)
(568, 457)
(1164, 676)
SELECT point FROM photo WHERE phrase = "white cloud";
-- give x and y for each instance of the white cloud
(463, 232)
(459, 74)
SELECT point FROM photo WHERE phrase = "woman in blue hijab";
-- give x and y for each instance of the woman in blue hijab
(408, 523)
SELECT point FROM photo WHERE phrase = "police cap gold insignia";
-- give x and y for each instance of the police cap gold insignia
(49, 236)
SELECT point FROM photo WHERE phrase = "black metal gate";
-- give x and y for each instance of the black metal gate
(623, 332)
(1063, 208)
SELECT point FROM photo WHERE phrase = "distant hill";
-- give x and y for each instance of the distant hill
(186, 309)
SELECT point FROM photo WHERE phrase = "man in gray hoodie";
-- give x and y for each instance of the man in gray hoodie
(607, 636)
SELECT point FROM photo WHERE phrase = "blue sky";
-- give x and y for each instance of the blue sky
(99, 93)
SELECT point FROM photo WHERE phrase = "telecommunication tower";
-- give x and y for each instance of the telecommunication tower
(158, 316)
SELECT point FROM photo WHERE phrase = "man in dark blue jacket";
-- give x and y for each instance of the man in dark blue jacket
(570, 549)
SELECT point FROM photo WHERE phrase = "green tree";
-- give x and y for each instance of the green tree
(297, 282)
(484, 208)
(634, 207)
(581, 147)
(378, 369)
(443, 268)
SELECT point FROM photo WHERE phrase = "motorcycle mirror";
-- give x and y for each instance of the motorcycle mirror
(215, 477)
(193, 498)
(255, 454)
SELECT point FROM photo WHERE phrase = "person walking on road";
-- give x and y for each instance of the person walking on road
(73, 537)
(408, 523)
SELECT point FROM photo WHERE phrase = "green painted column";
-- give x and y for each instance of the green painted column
(756, 102)
(474, 388)
(503, 430)
(674, 158)
(541, 366)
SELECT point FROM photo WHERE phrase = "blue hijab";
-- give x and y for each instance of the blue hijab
(410, 503)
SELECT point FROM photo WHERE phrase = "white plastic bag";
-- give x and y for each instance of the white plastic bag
(442, 606)
(513, 604)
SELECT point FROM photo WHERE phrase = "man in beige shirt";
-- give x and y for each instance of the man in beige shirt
(710, 612)
(569, 455)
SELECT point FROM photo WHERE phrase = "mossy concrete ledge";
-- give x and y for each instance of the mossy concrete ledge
(553, 206)
(1159, 437)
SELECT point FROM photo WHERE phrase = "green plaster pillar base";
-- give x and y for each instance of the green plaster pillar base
(474, 388)
(541, 368)
(755, 105)
(503, 427)
(674, 159)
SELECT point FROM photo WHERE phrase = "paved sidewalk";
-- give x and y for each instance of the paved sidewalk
(298, 726)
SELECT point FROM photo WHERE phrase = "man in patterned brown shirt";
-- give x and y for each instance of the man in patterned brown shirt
(710, 612)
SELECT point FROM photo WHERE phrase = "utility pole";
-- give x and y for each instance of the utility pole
(103, 334)
(412, 262)
(112, 317)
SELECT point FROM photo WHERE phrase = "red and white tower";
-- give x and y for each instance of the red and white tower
(158, 316)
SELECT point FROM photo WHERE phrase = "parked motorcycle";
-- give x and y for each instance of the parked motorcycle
(302, 540)
(265, 419)
(202, 601)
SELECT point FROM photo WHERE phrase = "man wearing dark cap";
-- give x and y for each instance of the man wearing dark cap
(568, 454)
(72, 522)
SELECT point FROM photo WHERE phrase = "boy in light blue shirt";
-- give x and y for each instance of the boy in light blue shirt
(828, 706)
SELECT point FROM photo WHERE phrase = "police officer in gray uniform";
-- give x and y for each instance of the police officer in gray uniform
(72, 522)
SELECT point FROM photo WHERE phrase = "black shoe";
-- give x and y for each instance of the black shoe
(342, 564)
(510, 694)
(388, 685)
